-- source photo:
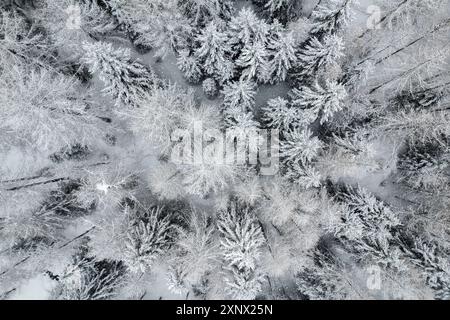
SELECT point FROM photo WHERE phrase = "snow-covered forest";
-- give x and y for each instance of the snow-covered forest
(337, 113)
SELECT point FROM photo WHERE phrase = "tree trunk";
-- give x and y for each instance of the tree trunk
(435, 29)
(36, 184)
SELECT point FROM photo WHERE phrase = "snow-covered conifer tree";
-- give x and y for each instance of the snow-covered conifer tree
(241, 244)
(317, 55)
(435, 268)
(423, 165)
(304, 175)
(282, 48)
(323, 101)
(300, 146)
(106, 186)
(157, 24)
(323, 280)
(161, 114)
(241, 124)
(245, 284)
(254, 60)
(189, 65)
(71, 23)
(368, 226)
(125, 80)
(246, 28)
(149, 235)
(239, 94)
(165, 181)
(88, 279)
(282, 10)
(196, 248)
(406, 13)
(280, 114)
(19, 43)
(132, 14)
(421, 125)
(282, 201)
(209, 86)
(164, 28)
(213, 49)
(209, 176)
(331, 15)
(202, 11)
(44, 109)
(249, 191)
(242, 237)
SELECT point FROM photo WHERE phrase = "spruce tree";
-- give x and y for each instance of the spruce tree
(126, 80)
